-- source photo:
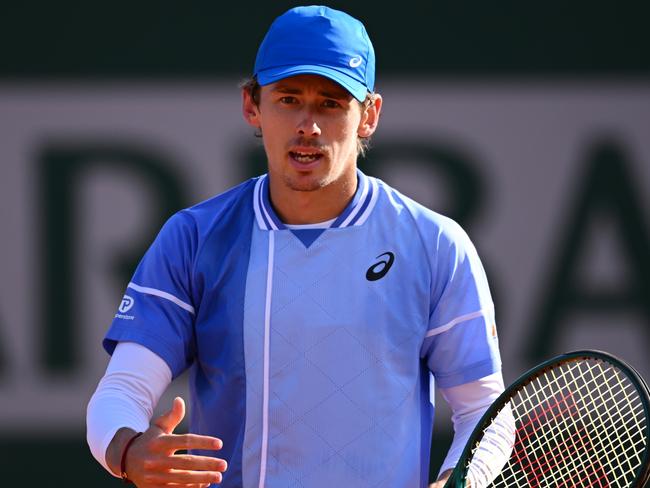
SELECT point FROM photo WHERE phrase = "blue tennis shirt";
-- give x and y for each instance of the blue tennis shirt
(311, 350)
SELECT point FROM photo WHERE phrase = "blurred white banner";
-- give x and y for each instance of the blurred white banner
(551, 180)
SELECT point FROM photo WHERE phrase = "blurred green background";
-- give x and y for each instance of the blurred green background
(97, 40)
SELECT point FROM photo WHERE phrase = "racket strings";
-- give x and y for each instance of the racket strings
(624, 433)
(591, 445)
(570, 442)
(581, 418)
(588, 408)
(565, 445)
(532, 433)
(616, 425)
(580, 424)
(566, 408)
(591, 396)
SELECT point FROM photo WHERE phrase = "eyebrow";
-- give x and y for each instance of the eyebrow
(337, 95)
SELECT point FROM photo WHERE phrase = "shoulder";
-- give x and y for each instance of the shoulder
(437, 230)
(226, 211)
(216, 209)
(213, 209)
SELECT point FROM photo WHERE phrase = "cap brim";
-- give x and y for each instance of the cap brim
(357, 90)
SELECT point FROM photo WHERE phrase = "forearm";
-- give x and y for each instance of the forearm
(468, 403)
(108, 415)
(116, 447)
(124, 401)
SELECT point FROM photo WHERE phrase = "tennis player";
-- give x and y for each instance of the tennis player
(314, 305)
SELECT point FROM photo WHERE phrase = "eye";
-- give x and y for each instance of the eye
(288, 100)
(329, 103)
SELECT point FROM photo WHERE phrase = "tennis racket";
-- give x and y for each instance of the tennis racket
(578, 420)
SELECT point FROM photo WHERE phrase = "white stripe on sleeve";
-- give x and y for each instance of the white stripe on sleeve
(162, 294)
(454, 322)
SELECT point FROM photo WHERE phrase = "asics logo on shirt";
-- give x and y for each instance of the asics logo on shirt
(378, 270)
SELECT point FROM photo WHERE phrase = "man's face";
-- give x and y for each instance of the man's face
(310, 126)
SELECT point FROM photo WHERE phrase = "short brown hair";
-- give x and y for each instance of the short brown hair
(253, 88)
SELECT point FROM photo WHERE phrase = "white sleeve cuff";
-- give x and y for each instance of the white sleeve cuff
(468, 403)
(126, 396)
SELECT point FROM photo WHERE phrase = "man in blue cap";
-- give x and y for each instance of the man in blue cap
(313, 305)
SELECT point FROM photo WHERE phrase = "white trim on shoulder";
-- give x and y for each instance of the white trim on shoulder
(362, 198)
(263, 203)
(162, 294)
(452, 323)
(371, 205)
(256, 203)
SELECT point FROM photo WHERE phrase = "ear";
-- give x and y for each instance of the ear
(250, 110)
(370, 118)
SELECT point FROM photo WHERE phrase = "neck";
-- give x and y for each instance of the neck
(311, 207)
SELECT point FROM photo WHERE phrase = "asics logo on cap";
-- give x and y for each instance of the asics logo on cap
(355, 61)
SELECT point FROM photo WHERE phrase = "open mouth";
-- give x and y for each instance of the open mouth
(305, 157)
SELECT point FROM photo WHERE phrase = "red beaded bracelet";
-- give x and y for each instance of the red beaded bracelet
(123, 474)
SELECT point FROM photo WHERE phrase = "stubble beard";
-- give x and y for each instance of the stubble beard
(311, 184)
(314, 180)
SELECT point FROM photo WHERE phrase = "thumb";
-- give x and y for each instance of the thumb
(170, 419)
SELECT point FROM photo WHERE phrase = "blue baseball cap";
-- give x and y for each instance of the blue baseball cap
(321, 41)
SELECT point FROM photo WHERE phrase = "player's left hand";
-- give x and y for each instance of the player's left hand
(152, 462)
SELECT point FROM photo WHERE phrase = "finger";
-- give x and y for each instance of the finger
(190, 462)
(170, 419)
(190, 485)
(181, 485)
(182, 477)
(188, 441)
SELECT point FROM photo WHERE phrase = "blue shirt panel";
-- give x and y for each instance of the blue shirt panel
(200, 258)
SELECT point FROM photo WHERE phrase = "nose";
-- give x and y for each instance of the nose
(307, 126)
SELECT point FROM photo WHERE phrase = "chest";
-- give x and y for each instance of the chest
(360, 285)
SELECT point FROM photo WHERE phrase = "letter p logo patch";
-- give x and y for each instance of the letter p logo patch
(127, 303)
